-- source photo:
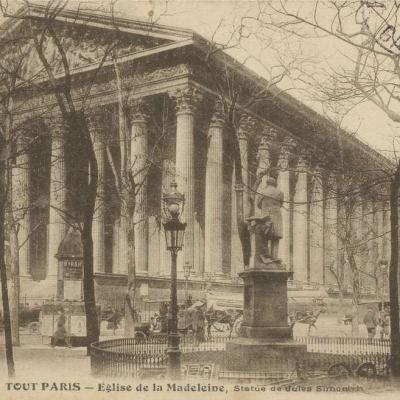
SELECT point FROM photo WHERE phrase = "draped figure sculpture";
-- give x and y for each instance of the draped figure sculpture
(267, 221)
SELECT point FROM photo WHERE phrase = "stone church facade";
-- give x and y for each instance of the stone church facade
(177, 131)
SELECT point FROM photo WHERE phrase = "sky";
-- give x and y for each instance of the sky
(218, 17)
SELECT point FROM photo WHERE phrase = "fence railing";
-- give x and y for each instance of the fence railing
(344, 345)
(130, 356)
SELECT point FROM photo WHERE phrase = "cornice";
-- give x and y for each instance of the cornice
(183, 38)
(101, 20)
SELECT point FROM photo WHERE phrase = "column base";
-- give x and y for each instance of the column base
(267, 333)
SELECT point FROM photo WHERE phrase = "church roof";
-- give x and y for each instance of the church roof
(99, 20)
(168, 38)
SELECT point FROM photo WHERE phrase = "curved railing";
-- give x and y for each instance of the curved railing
(130, 356)
(133, 357)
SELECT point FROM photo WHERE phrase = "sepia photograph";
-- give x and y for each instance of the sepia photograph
(199, 199)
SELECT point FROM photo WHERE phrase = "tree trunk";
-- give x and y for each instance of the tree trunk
(130, 311)
(92, 322)
(355, 321)
(356, 293)
(3, 275)
(78, 122)
(393, 274)
(14, 287)
(340, 313)
(244, 235)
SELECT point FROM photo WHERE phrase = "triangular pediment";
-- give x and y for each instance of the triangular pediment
(103, 21)
(86, 37)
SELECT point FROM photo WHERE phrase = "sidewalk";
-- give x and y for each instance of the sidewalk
(41, 363)
(35, 359)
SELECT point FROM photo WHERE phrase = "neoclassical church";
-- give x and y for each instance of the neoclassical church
(171, 82)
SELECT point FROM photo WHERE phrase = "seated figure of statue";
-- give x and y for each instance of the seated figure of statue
(267, 210)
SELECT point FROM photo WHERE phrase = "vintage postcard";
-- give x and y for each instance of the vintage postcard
(199, 199)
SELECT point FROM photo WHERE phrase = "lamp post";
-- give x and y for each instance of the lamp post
(174, 229)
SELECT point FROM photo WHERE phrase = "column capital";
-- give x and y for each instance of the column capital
(137, 110)
(247, 124)
(264, 144)
(186, 99)
(288, 147)
(270, 135)
(317, 172)
(303, 165)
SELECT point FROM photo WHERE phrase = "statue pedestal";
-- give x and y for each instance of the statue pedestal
(260, 355)
(266, 337)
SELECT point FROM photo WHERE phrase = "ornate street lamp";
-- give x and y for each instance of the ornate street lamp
(174, 229)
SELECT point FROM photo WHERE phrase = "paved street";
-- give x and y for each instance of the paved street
(327, 325)
(35, 358)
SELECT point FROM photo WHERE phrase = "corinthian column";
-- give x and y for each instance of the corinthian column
(21, 210)
(57, 225)
(300, 242)
(246, 127)
(263, 160)
(368, 230)
(331, 230)
(266, 150)
(214, 197)
(186, 101)
(98, 226)
(284, 185)
(140, 167)
(316, 229)
(386, 231)
(236, 246)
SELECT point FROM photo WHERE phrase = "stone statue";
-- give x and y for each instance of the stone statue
(267, 221)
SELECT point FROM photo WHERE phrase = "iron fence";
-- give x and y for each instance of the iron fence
(344, 345)
(132, 357)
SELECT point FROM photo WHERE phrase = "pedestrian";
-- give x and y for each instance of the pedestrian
(385, 322)
(370, 322)
(60, 336)
(163, 311)
(114, 321)
(199, 324)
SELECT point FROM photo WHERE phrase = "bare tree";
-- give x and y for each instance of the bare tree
(54, 52)
(130, 172)
(12, 148)
(4, 168)
(370, 72)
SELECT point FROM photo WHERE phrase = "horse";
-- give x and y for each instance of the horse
(310, 319)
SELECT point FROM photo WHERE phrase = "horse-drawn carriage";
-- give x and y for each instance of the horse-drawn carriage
(224, 313)
(206, 315)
